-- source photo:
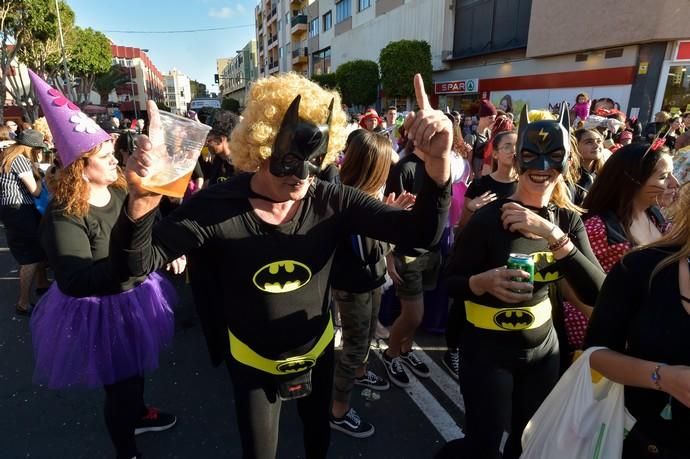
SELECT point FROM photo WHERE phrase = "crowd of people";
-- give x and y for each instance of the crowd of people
(316, 213)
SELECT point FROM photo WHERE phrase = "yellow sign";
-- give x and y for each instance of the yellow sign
(642, 69)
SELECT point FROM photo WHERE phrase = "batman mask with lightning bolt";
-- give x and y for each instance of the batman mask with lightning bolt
(300, 146)
(545, 144)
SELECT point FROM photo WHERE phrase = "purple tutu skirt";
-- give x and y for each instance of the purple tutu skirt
(93, 341)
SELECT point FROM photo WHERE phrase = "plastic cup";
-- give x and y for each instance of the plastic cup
(176, 147)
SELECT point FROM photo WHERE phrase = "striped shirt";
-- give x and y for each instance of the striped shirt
(12, 189)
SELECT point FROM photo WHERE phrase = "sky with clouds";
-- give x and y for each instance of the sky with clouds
(192, 53)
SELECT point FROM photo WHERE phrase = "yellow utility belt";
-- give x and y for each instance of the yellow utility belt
(244, 354)
(508, 319)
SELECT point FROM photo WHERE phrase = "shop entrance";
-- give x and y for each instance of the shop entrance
(677, 90)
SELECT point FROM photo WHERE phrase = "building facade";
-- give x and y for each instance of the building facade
(314, 37)
(178, 92)
(543, 52)
(515, 52)
(238, 74)
(146, 82)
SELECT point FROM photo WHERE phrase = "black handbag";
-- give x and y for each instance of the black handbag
(639, 444)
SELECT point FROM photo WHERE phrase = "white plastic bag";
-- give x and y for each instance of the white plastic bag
(578, 419)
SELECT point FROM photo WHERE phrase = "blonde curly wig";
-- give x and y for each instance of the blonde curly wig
(541, 115)
(41, 125)
(251, 141)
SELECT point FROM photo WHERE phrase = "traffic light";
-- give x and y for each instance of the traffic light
(215, 78)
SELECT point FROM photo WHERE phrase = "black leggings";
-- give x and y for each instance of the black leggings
(502, 389)
(124, 407)
(456, 320)
(257, 407)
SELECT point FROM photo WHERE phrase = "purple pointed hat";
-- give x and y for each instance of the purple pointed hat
(74, 133)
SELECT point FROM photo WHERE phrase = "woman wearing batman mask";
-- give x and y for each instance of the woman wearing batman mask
(262, 243)
(510, 356)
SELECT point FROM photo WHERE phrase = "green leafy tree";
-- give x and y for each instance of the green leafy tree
(358, 82)
(326, 80)
(399, 61)
(28, 35)
(89, 56)
(105, 83)
(230, 104)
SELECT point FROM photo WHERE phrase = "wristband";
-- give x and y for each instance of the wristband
(560, 243)
(656, 377)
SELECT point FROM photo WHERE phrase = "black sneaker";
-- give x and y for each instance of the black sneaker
(154, 421)
(395, 370)
(413, 363)
(451, 360)
(351, 424)
(372, 381)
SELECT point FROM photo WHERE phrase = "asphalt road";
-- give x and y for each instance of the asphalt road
(42, 424)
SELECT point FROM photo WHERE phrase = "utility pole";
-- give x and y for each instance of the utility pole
(69, 90)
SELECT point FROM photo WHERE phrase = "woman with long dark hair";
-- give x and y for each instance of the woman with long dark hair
(643, 317)
(359, 270)
(623, 211)
(590, 155)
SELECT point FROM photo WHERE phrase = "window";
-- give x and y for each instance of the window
(278, 25)
(327, 21)
(483, 27)
(287, 19)
(343, 11)
(314, 28)
(364, 4)
(321, 62)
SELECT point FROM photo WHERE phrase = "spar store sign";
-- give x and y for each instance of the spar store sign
(457, 87)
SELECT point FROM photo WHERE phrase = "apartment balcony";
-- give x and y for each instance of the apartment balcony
(273, 66)
(300, 55)
(272, 41)
(273, 15)
(298, 24)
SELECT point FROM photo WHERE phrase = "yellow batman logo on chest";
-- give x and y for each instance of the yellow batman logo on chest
(542, 267)
(282, 276)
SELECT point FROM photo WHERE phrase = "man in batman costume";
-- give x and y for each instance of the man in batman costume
(264, 242)
(510, 356)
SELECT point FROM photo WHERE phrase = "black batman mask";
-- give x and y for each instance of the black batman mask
(300, 146)
(543, 145)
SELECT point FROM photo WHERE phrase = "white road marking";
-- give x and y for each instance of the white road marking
(439, 417)
(442, 379)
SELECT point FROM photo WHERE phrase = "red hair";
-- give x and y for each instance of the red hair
(502, 124)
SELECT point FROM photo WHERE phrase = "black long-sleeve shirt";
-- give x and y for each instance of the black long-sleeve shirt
(269, 283)
(407, 175)
(360, 264)
(484, 244)
(78, 249)
(646, 319)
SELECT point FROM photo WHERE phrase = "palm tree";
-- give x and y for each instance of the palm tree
(106, 82)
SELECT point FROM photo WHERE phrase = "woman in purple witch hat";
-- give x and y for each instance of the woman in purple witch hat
(94, 327)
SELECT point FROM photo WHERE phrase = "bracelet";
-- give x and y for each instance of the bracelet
(656, 377)
(560, 243)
